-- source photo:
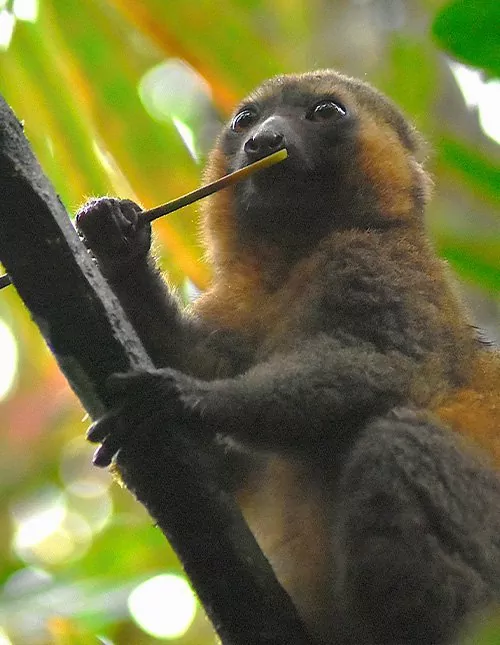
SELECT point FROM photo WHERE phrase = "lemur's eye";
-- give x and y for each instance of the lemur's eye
(244, 119)
(325, 110)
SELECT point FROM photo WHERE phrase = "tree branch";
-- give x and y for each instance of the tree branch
(86, 329)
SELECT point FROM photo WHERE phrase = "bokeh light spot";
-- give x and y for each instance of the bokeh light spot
(9, 362)
(47, 533)
(25, 10)
(163, 606)
(7, 24)
(483, 95)
(37, 517)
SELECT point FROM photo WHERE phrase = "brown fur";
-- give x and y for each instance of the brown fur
(386, 165)
(328, 307)
(295, 529)
(474, 410)
(240, 298)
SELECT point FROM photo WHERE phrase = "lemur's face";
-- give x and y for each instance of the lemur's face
(350, 158)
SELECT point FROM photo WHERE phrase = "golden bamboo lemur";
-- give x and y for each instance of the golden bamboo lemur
(331, 356)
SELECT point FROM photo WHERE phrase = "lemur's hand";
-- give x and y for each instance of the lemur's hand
(115, 232)
(149, 401)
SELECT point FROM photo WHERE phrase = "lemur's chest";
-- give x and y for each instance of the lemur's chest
(285, 506)
(273, 316)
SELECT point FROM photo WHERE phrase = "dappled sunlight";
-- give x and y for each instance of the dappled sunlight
(173, 91)
(9, 360)
(87, 487)
(40, 537)
(163, 606)
(481, 94)
(38, 608)
(52, 528)
(77, 472)
(119, 98)
(24, 10)
(187, 135)
(120, 183)
(7, 24)
(36, 518)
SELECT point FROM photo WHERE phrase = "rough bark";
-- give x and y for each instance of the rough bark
(88, 333)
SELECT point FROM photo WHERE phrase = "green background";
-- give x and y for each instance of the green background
(100, 86)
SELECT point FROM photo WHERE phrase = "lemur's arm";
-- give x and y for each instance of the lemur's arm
(120, 241)
(307, 401)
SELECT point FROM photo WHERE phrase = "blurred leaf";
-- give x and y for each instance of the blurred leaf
(92, 601)
(415, 93)
(473, 167)
(469, 30)
(477, 260)
(484, 632)
(64, 631)
(73, 77)
(75, 168)
(214, 39)
(111, 552)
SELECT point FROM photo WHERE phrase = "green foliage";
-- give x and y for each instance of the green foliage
(104, 88)
(484, 632)
(479, 172)
(468, 29)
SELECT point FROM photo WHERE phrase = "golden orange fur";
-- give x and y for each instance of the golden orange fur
(240, 299)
